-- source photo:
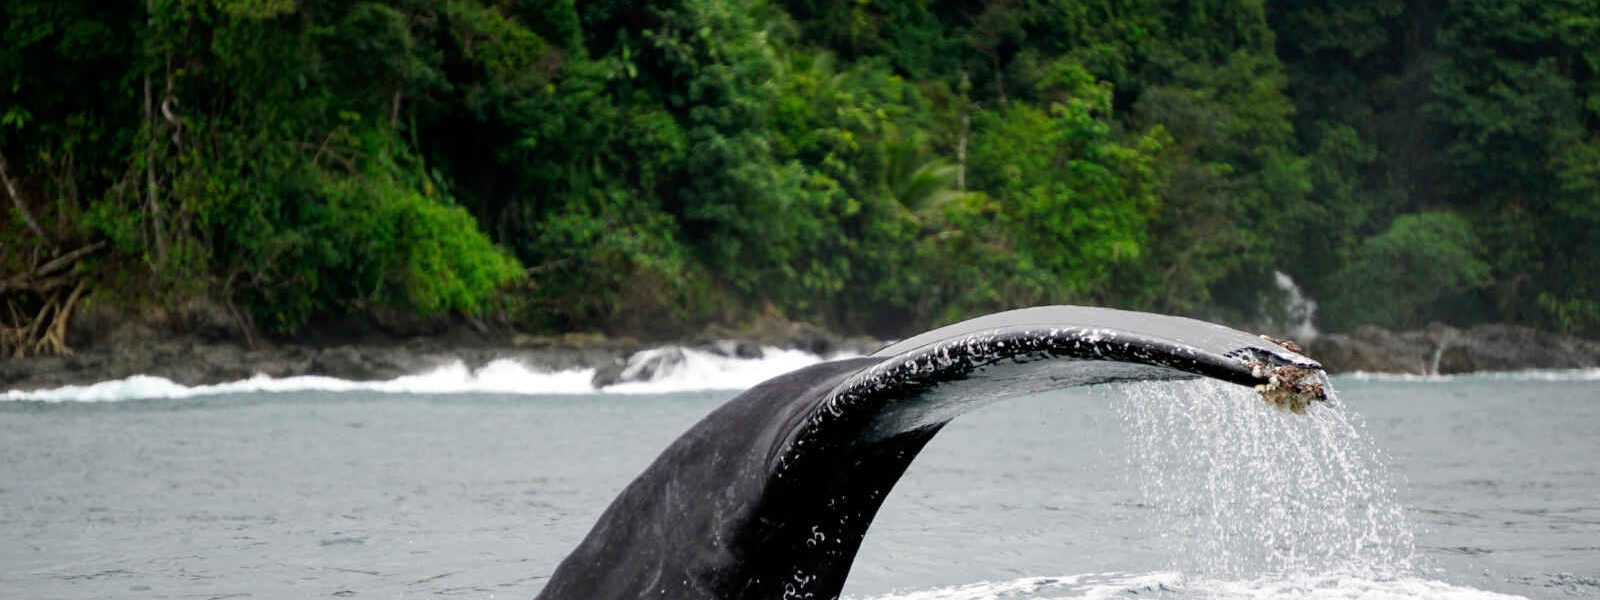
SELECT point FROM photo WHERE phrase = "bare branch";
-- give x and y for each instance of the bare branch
(37, 286)
(16, 199)
(60, 262)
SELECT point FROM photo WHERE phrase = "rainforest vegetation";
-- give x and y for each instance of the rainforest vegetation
(870, 165)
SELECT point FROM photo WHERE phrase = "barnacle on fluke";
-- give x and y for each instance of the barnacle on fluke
(1288, 387)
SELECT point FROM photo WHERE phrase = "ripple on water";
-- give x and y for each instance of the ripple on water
(1170, 584)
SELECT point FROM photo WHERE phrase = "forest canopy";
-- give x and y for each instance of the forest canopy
(872, 165)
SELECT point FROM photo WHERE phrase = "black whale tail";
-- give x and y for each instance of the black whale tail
(771, 494)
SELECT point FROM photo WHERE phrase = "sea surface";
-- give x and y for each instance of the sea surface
(1461, 487)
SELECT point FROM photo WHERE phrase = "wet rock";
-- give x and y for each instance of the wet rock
(645, 365)
(360, 364)
(731, 348)
(608, 374)
(1374, 349)
(794, 335)
(1510, 347)
(1441, 349)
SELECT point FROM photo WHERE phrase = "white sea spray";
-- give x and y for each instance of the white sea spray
(1238, 491)
(698, 371)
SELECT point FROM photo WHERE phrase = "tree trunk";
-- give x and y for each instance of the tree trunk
(394, 109)
(961, 153)
(152, 148)
(16, 199)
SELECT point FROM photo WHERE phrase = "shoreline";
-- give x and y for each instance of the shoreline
(1440, 349)
(197, 349)
(196, 346)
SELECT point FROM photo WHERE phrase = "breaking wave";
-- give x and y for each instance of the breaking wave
(698, 370)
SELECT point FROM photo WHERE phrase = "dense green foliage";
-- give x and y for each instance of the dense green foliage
(1486, 111)
(876, 165)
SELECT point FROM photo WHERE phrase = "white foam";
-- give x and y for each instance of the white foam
(1169, 584)
(1591, 374)
(500, 376)
(698, 371)
(706, 371)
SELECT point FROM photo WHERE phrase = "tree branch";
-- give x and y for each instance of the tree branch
(59, 262)
(16, 199)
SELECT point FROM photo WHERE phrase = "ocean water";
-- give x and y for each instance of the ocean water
(475, 484)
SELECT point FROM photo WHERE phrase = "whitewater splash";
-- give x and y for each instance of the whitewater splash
(697, 371)
(1297, 308)
(1105, 586)
(1240, 492)
(1249, 503)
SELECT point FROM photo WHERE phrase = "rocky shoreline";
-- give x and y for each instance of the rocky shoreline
(1444, 350)
(199, 345)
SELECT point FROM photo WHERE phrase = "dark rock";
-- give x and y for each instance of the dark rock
(747, 349)
(407, 324)
(350, 362)
(731, 348)
(1373, 349)
(1510, 347)
(1441, 349)
(814, 340)
(91, 323)
(523, 340)
(207, 320)
(583, 340)
(645, 365)
(608, 374)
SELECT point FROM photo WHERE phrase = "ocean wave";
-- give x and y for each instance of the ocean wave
(1169, 584)
(697, 371)
(1591, 374)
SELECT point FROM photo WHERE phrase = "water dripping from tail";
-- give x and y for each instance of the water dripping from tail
(1241, 492)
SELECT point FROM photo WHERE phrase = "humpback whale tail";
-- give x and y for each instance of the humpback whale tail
(771, 494)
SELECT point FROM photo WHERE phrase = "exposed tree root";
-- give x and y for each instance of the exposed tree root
(39, 305)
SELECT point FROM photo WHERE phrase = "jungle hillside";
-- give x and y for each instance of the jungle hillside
(874, 166)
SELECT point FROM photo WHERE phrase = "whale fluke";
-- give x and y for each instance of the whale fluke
(771, 494)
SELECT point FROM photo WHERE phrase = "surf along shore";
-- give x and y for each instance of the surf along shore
(198, 344)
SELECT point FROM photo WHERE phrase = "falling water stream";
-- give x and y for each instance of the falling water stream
(1243, 491)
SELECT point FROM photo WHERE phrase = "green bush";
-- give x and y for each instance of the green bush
(1399, 278)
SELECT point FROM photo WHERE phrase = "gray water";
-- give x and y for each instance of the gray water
(368, 495)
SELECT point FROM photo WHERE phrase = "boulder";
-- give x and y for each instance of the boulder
(1440, 349)
(731, 348)
(358, 363)
(644, 365)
